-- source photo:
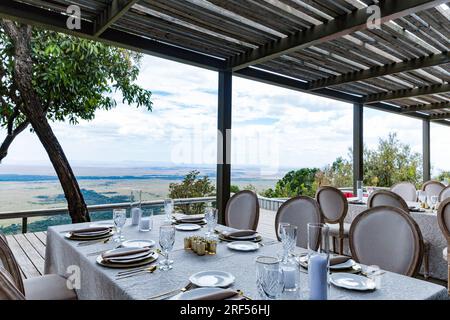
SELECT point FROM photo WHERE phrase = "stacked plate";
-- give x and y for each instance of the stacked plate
(337, 264)
(189, 219)
(241, 235)
(90, 233)
(352, 281)
(209, 294)
(127, 257)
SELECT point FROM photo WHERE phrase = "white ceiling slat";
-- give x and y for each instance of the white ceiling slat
(312, 9)
(399, 81)
(372, 48)
(336, 56)
(177, 21)
(293, 11)
(428, 75)
(357, 4)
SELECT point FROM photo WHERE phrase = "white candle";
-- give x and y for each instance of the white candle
(289, 274)
(318, 277)
(360, 194)
(145, 224)
(135, 216)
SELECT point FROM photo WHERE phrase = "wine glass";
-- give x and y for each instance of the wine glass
(166, 242)
(211, 220)
(434, 201)
(119, 217)
(288, 235)
(422, 196)
(168, 208)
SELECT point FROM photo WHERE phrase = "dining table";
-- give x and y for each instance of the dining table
(431, 233)
(63, 256)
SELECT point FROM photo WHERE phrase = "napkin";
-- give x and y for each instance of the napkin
(338, 259)
(121, 253)
(239, 233)
(91, 230)
(220, 295)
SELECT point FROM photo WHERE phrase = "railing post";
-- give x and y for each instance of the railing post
(24, 225)
(358, 144)
(426, 154)
(223, 180)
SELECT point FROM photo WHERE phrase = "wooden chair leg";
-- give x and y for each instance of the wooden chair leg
(341, 246)
(334, 244)
(426, 261)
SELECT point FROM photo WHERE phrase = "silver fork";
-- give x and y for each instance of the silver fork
(150, 269)
(171, 293)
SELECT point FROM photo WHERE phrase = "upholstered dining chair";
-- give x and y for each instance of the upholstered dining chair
(8, 289)
(444, 223)
(46, 287)
(406, 190)
(433, 188)
(386, 198)
(445, 193)
(334, 207)
(242, 211)
(299, 211)
(389, 238)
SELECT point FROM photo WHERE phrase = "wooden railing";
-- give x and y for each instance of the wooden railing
(24, 215)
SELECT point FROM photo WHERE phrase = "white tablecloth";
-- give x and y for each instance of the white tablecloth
(431, 233)
(98, 282)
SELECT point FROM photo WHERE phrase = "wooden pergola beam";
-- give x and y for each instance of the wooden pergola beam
(115, 10)
(441, 116)
(336, 28)
(406, 93)
(379, 71)
(426, 107)
(55, 21)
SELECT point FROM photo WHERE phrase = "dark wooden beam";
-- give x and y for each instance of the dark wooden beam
(115, 10)
(426, 107)
(358, 144)
(336, 28)
(406, 93)
(441, 116)
(426, 154)
(223, 180)
(379, 71)
(56, 21)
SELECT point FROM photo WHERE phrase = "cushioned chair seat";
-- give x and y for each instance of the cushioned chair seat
(445, 253)
(48, 287)
(334, 229)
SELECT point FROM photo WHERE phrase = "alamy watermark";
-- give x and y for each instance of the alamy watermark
(73, 22)
(73, 281)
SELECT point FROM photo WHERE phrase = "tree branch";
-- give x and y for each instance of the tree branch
(10, 138)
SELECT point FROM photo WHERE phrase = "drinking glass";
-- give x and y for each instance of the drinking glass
(422, 196)
(119, 217)
(318, 261)
(166, 241)
(146, 221)
(434, 201)
(269, 278)
(168, 209)
(211, 220)
(359, 190)
(288, 235)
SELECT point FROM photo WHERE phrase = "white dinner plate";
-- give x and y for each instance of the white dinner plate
(187, 227)
(243, 246)
(345, 265)
(198, 292)
(138, 243)
(107, 224)
(212, 278)
(129, 258)
(352, 281)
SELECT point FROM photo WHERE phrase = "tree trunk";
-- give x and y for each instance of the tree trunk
(10, 138)
(35, 113)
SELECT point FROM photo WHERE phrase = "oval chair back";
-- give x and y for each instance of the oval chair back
(9, 262)
(386, 198)
(389, 238)
(406, 190)
(299, 211)
(433, 188)
(445, 193)
(333, 204)
(242, 211)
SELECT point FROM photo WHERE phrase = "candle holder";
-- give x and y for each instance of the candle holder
(200, 245)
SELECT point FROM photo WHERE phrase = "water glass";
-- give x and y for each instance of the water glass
(211, 220)
(119, 218)
(318, 261)
(422, 196)
(146, 221)
(269, 278)
(359, 190)
(166, 242)
(434, 201)
(168, 209)
(288, 236)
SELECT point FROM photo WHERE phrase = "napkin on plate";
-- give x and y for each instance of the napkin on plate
(124, 252)
(240, 234)
(91, 230)
(338, 260)
(219, 295)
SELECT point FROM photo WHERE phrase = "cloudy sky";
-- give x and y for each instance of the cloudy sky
(271, 126)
